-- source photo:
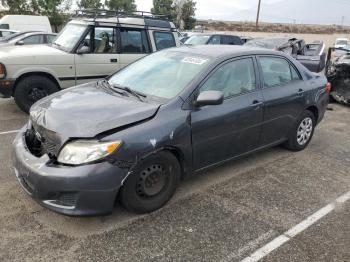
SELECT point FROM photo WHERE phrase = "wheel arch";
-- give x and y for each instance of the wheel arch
(313, 109)
(35, 73)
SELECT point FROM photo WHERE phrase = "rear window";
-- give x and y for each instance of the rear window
(164, 40)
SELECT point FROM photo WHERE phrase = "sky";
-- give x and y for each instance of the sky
(276, 11)
(212, 9)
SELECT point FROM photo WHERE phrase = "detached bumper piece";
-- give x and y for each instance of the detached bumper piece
(338, 74)
(70, 190)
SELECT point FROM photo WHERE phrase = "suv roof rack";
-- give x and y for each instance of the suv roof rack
(104, 13)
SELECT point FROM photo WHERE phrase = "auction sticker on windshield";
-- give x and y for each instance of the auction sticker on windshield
(194, 60)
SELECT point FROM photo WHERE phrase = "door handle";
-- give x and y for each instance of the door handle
(256, 103)
(300, 92)
(114, 60)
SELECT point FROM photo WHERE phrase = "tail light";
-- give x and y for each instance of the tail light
(2, 71)
(328, 87)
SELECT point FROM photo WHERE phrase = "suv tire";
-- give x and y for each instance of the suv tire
(302, 132)
(31, 89)
(152, 183)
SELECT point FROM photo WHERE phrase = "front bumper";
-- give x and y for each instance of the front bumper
(76, 191)
(6, 87)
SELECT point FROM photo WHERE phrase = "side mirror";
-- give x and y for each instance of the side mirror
(206, 98)
(20, 42)
(83, 50)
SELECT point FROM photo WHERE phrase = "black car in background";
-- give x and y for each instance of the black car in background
(312, 55)
(213, 39)
(134, 135)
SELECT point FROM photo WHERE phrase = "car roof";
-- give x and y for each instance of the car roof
(132, 21)
(225, 50)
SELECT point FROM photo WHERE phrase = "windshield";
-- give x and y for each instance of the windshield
(163, 74)
(197, 40)
(342, 42)
(69, 36)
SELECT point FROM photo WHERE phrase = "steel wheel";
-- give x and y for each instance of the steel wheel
(152, 181)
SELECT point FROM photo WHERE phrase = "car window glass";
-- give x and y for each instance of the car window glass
(164, 40)
(214, 40)
(50, 38)
(233, 78)
(276, 71)
(134, 41)
(295, 75)
(4, 26)
(231, 40)
(104, 40)
(32, 40)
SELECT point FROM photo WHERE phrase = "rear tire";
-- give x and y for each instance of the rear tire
(152, 183)
(301, 134)
(31, 89)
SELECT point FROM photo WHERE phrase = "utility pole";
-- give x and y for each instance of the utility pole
(257, 15)
(342, 21)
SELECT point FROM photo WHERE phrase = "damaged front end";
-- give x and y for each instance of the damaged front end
(338, 74)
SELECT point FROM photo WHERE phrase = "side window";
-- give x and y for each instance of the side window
(214, 40)
(4, 26)
(134, 41)
(33, 40)
(231, 40)
(104, 41)
(276, 71)
(50, 38)
(164, 40)
(234, 78)
(295, 74)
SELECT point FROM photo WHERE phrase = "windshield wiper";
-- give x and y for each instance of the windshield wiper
(104, 83)
(129, 90)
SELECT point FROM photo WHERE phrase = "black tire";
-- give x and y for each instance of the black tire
(137, 197)
(295, 142)
(31, 89)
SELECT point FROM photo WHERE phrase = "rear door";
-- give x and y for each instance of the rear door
(283, 93)
(134, 44)
(103, 58)
(223, 131)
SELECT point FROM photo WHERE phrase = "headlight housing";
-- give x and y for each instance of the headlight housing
(85, 151)
(2, 71)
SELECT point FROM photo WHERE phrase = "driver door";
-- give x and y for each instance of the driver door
(102, 59)
(221, 132)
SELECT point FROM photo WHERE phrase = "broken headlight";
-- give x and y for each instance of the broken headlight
(85, 151)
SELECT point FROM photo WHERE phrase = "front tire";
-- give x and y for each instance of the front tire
(152, 183)
(302, 132)
(31, 89)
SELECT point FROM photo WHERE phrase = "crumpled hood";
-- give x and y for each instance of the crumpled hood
(86, 111)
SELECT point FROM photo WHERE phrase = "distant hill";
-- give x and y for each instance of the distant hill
(300, 12)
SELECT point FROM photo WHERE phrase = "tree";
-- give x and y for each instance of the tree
(89, 4)
(185, 11)
(188, 12)
(53, 9)
(127, 6)
(163, 7)
(18, 6)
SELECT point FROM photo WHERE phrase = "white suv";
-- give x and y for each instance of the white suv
(28, 73)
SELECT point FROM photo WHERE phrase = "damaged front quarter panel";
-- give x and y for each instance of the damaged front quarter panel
(166, 131)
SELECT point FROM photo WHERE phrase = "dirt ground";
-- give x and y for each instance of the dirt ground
(224, 214)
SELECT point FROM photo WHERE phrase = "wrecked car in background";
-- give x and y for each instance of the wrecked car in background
(338, 74)
(311, 55)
